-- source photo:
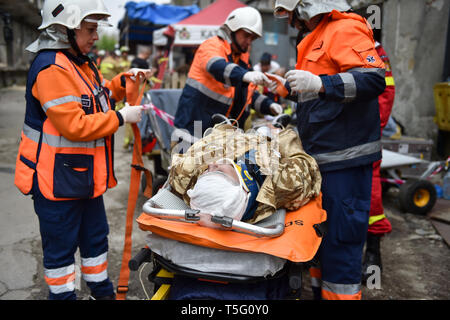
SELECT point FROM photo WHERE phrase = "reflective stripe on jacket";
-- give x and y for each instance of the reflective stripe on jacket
(214, 85)
(67, 138)
(340, 128)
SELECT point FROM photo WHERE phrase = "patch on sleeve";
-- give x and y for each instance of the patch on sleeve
(371, 59)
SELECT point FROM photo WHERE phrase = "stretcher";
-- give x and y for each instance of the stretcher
(280, 246)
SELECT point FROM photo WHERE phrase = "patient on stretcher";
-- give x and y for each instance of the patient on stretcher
(245, 176)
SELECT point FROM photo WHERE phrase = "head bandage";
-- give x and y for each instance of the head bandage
(218, 194)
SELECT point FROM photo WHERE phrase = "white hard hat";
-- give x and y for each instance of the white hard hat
(307, 9)
(247, 18)
(70, 13)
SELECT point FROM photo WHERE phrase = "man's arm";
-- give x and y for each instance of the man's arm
(362, 73)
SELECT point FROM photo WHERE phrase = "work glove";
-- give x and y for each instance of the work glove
(256, 77)
(303, 81)
(276, 109)
(148, 73)
(131, 114)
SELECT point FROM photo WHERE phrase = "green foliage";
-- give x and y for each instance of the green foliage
(106, 42)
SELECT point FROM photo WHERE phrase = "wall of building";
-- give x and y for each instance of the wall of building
(23, 20)
(415, 36)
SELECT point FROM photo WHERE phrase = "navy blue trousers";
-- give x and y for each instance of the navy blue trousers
(346, 198)
(64, 227)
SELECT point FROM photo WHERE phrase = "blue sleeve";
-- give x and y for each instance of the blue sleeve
(226, 72)
(261, 103)
(359, 84)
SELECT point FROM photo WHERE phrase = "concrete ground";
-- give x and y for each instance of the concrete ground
(416, 260)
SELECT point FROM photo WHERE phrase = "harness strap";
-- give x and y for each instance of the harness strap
(134, 97)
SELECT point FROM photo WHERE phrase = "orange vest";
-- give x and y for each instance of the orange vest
(211, 49)
(212, 87)
(66, 141)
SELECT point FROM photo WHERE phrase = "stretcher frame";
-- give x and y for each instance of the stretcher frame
(164, 270)
(267, 228)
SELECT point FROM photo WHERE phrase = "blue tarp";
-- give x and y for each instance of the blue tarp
(159, 14)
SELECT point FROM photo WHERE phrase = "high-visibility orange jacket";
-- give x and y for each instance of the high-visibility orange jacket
(340, 128)
(215, 85)
(66, 143)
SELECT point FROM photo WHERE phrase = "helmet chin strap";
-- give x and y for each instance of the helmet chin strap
(236, 44)
(73, 42)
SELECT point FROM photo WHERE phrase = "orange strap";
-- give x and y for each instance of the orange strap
(281, 89)
(134, 97)
(240, 114)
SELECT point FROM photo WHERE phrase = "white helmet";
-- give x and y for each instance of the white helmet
(247, 18)
(307, 9)
(70, 13)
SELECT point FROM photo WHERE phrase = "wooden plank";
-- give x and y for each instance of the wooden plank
(443, 229)
(441, 211)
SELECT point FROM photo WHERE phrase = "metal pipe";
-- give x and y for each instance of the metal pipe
(228, 224)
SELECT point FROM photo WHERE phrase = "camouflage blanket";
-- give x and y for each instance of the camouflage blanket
(292, 176)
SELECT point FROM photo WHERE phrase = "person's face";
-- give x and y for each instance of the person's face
(228, 169)
(304, 25)
(265, 67)
(146, 54)
(299, 25)
(86, 36)
(245, 39)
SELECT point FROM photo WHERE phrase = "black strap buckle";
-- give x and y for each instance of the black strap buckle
(138, 167)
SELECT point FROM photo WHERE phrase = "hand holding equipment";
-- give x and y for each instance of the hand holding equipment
(256, 77)
(131, 114)
(277, 85)
(148, 73)
(303, 81)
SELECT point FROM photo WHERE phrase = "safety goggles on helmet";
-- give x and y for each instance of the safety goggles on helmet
(101, 23)
(281, 13)
(284, 7)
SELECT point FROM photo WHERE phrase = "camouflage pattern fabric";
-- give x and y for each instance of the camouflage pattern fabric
(292, 176)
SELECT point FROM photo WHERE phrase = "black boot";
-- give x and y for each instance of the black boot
(372, 256)
(111, 297)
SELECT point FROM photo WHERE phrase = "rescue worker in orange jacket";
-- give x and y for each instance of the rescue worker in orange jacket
(337, 81)
(220, 79)
(65, 158)
(379, 225)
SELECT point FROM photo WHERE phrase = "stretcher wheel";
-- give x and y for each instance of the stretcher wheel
(417, 196)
